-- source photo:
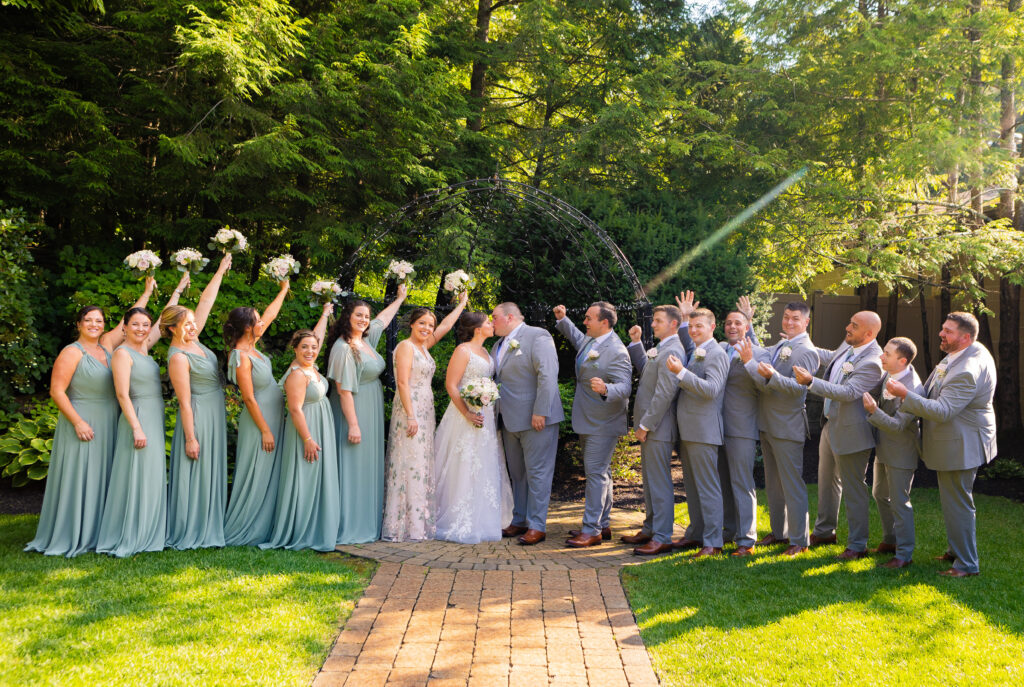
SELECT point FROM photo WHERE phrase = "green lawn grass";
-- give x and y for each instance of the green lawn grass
(815, 620)
(233, 616)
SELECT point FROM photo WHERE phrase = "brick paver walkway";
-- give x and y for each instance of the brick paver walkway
(492, 614)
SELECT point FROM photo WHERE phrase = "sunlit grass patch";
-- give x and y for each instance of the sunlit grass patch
(215, 617)
(815, 620)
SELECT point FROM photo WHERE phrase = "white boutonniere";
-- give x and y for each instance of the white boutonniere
(847, 368)
(940, 370)
(700, 354)
(886, 395)
(652, 353)
(593, 355)
(785, 353)
(513, 345)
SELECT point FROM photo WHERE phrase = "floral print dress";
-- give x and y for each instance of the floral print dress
(409, 466)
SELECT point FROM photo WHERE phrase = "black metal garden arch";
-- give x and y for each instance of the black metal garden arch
(513, 225)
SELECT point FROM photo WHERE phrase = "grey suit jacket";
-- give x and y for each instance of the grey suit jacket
(529, 380)
(591, 412)
(897, 433)
(656, 395)
(782, 412)
(699, 409)
(740, 407)
(849, 430)
(958, 425)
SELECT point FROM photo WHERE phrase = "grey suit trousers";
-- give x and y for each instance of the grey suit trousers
(843, 475)
(957, 501)
(530, 456)
(891, 489)
(739, 495)
(703, 492)
(597, 460)
(785, 488)
(659, 492)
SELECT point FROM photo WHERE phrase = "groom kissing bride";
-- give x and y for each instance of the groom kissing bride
(529, 410)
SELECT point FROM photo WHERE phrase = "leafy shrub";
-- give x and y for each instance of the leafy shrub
(22, 362)
(25, 446)
(1003, 468)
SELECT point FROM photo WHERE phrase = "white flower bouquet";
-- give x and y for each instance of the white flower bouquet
(479, 392)
(189, 260)
(228, 240)
(280, 268)
(143, 262)
(323, 292)
(402, 270)
(458, 281)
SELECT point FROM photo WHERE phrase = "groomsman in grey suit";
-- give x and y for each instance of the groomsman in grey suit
(739, 423)
(897, 447)
(604, 383)
(530, 408)
(782, 419)
(654, 419)
(699, 414)
(958, 429)
(844, 450)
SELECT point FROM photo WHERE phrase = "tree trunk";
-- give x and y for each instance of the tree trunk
(892, 312)
(945, 300)
(926, 338)
(1007, 399)
(869, 296)
(478, 77)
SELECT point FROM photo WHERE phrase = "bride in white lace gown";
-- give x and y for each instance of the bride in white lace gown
(472, 492)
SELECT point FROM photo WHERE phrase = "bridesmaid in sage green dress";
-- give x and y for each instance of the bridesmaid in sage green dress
(357, 402)
(83, 443)
(198, 483)
(308, 506)
(250, 513)
(135, 513)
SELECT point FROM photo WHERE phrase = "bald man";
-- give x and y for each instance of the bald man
(846, 437)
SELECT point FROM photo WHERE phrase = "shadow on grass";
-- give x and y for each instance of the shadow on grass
(678, 595)
(205, 602)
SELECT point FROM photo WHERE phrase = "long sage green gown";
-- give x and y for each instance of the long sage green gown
(308, 506)
(76, 484)
(250, 514)
(198, 488)
(135, 515)
(360, 466)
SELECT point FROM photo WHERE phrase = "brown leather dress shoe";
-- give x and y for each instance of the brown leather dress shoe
(652, 548)
(638, 538)
(531, 537)
(815, 540)
(884, 547)
(769, 539)
(953, 572)
(794, 550)
(743, 551)
(948, 557)
(851, 555)
(895, 563)
(513, 531)
(582, 541)
(684, 543)
(709, 551)
(606, 533)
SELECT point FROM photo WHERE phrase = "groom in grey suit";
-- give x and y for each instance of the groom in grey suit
(604, 382)
(783, 423)
(897, 448)
(958, 429)
(852, 370)
(529, 410)
(654, 420)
